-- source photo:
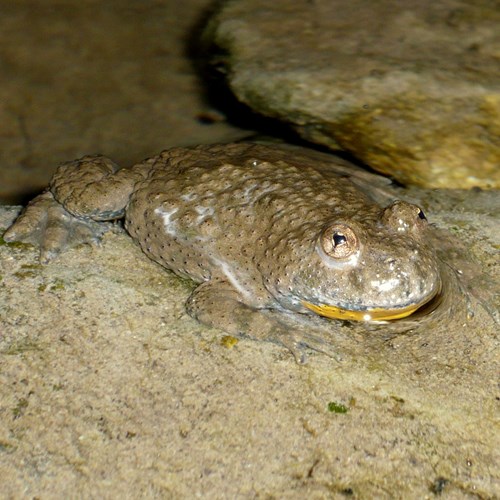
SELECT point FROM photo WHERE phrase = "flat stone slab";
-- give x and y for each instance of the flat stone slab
(410, 88)
(109, 390)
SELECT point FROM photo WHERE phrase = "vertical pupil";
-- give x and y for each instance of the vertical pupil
(339, 239)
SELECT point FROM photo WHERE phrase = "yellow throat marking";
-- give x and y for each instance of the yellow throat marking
(378, 314)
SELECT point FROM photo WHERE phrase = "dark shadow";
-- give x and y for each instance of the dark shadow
(19, 197)
(211, 64)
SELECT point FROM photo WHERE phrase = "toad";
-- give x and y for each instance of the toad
(266, 231)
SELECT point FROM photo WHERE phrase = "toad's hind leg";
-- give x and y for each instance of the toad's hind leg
(81, 193)
(217, 303)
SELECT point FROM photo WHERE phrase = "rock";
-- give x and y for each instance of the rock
(116, 80)
(412, 89)
(109, 390)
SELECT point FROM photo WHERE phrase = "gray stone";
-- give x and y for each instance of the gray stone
(410, 88)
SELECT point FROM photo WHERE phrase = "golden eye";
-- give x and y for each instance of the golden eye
(339, 241)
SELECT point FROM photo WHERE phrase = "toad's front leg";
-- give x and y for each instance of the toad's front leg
(47, 225)
(81, 193)
(217, 303)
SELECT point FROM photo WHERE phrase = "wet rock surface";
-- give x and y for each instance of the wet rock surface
(108, 388)
(86, 77)
(412, 89)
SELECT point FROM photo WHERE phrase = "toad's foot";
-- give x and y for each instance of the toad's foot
(82, 192)
(216, 303)
(47, 225)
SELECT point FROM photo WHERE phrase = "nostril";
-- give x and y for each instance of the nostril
(390, 261)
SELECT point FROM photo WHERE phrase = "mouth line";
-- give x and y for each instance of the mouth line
(375, 314)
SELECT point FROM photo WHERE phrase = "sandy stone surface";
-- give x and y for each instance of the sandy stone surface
(109, 390)
(410, 88)
(85, 77)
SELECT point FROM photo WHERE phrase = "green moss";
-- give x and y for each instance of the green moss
(18, 410)
(438, 485)
(6, 447)
(32, 266)
(228, 341)
(25, 274)
(28, 271)
(20, 347)
(397, 399)
(58, 284)
(335, 407)
(15, 244)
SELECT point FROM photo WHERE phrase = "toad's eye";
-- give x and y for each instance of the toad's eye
(339, 241)
(403, 216)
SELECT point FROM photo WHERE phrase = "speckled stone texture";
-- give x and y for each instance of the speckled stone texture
(109, 390)
(410, 88)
